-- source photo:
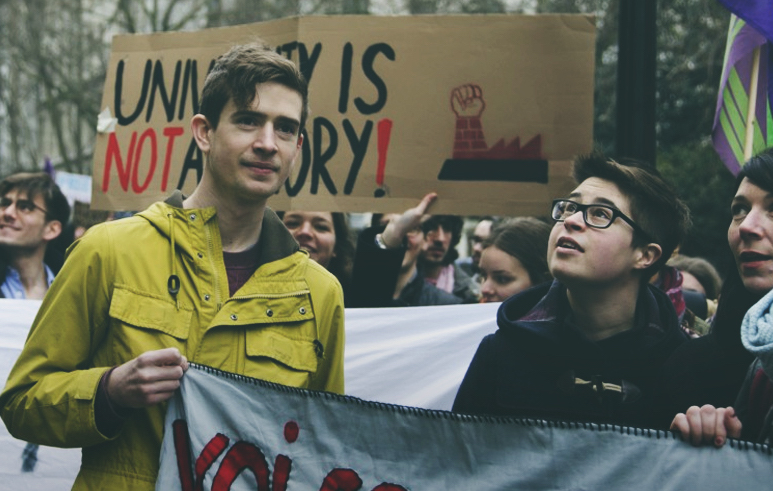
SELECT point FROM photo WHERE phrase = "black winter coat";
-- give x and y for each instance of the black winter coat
(539, 365)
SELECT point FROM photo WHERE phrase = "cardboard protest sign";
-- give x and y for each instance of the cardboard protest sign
(486, 110)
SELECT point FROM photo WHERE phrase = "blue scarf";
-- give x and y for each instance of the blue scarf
(757, 332)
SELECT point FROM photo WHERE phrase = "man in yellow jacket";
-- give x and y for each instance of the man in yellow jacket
(213, 278)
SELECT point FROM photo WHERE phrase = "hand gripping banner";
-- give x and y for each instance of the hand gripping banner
(225, 431)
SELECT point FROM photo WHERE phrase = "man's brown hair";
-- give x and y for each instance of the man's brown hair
(236, 74)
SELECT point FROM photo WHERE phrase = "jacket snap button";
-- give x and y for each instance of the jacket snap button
(200, 255)
(193, 216)
(302, 310)
(206, 297)
(269, 312)
(234, 317)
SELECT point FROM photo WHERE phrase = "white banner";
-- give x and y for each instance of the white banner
(229, 432)
(54, 469)
(413, 356)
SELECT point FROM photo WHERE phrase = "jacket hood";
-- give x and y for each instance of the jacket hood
(542, 317)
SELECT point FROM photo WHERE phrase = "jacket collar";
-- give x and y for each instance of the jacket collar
(276, 242)
(543, 312)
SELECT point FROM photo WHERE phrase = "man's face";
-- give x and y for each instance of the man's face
(252, 150)
(481, 233)
(436, 245)
(23, 223)
(581, 255)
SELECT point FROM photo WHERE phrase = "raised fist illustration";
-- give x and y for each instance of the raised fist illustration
(467, 101)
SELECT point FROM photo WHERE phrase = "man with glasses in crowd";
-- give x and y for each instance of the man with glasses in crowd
(591, 345)
(33, 212)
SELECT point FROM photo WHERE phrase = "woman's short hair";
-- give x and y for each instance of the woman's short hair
(655, 207)
(759, 170)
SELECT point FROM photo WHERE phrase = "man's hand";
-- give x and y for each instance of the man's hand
(398, 227)
(707, 424)
(148, 379)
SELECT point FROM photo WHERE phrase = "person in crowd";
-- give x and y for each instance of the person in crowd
(514, 258)
(214, 277)
(590, 345)
(327, 238)
(442, 234)
(710, 370)
(480, 233)
(698, 275)
(34, 216)
(690, 305)
(712, 376)
(701, 284)
(751, 417)
(33, 213)
(84, 218)
(386, 264)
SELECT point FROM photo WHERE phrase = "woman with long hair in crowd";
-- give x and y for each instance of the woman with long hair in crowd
(514, 258)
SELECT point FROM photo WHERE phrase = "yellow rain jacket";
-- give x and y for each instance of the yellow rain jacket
(111, 302)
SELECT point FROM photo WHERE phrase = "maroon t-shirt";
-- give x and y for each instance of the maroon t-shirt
(239, 266)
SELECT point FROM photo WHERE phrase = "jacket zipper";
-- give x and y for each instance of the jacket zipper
(211, 254)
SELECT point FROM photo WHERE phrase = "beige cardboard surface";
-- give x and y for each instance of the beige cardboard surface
(486, 110)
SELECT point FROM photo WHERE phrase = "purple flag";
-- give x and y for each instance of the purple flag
(746, 46)
(48, 167)
(757, 13)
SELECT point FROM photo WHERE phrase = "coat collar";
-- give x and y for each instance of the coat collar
(276, 242)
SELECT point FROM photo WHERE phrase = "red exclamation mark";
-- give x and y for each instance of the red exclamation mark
(384, 130)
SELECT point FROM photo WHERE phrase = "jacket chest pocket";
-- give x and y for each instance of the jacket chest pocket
(297, 353)
(281, 342)
(142, 322)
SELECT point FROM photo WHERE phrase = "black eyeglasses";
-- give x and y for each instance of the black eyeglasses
(24, 206)
(595, 215)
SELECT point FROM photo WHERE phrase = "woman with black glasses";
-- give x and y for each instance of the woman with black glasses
(590, 345)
